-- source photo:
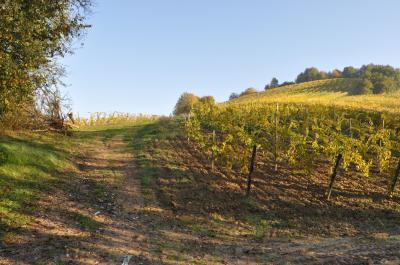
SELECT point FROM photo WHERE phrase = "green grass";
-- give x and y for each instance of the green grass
(28, 167)
(33, 164)
(84, 221)
(326, 92)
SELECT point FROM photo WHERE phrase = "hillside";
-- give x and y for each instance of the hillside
(142, 190)
(328, 92)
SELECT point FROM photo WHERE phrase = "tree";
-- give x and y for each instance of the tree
(336, 73)
(274, 83)
(322, 75)
(309, 74)
(185, 103)
(249, 91)
(233, 96)
(210, 100)
(384, 84)
(365, 87)
(350, 72)
(33, 35)
(384, 78)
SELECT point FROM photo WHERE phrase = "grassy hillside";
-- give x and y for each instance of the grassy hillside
(29, 164)
(329, 92)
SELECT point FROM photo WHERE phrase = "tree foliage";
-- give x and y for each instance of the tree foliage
(209, 100)
(248, 91)
(274, 83)
(350, 72)
(33, 35)
(309, 74)
(185, 103)
(384, 78)
(233, 96)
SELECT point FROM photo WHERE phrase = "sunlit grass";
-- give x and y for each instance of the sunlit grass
(28, 167)
(99, 119)
(326, 92)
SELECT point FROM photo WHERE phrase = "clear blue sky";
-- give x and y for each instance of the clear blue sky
(140, 55)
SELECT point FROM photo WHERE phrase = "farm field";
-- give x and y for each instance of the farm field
(143, 190)
(199, 132)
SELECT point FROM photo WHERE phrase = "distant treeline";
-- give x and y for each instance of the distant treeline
(369, 79)
(373, 79)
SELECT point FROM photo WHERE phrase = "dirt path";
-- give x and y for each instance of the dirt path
(119, 234)
(91, 218)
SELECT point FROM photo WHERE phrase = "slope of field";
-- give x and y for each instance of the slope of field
(142, 190)
(327, 92)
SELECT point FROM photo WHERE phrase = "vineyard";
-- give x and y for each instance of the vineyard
(237, 136)
(102, 118)
(329, 92)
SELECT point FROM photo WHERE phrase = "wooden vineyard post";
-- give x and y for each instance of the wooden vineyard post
(276, 137)
(251, 169)
(395, 179)
(350, 128)
(212, 151)
(333, 176)
(188, 120)
(383, 127)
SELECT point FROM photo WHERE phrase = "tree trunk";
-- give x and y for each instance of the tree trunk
(333, 176)
(251, 169)
(351, 128)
